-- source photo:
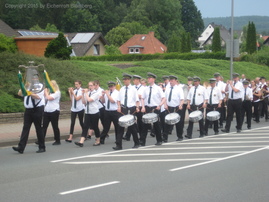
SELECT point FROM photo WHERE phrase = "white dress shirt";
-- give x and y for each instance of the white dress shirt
(132, 96)
(156, 96)
(236, 95)
(37, 102)
(200, 95)
(99, 91)
(112, 106)
(176, 96)
(79, 104)
(92, 107)
(216, 95)
(249, 94)
(53, 105)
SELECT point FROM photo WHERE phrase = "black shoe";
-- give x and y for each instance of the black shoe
(249, 127)
(152, 134)
(165, 140)
(220, 126)
(225, 131)
(179, 139)
(117, 148)
(188, 137)
(135, 146)
(68, 140)
(206, 134)
(238, 131)
(158, 143)
(216, 133)
(201, 136)
(36, 142)
(79, 144)
(56, 143)
(89, 137)
(40, 151)
(17, 149)
(102, 141)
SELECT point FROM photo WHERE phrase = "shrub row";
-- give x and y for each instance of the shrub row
(165, 56)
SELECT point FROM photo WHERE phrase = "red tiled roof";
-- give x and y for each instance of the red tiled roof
(149, 43)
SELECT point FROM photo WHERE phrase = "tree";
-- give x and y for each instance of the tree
(7, 44)
(188, 48)
(58, 48)
(80, 20)
(216, 43)
(112, 50)
(251, 42)
(118, 36)
(191, 20)
(49, 28)
(174, 43)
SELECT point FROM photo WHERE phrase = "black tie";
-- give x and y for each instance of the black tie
(75, 101)
(125, 97)
(245, 94)
(33, 102)
(27, 100)
(108, 102)
(149, 94)
(210, 98)
(88, 102)
(170, 94)
(232, 96)
(193, 99)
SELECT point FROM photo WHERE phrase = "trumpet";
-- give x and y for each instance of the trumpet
(119, 84)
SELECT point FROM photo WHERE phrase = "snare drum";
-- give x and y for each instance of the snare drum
(172, 118)
(127, 120)
(213, 116)
(196, 116)
(150, 118)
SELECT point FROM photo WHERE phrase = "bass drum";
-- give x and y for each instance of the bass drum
(150, 118)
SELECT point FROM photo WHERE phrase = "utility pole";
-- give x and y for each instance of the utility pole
(232, 41)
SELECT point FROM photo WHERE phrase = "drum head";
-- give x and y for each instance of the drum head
(195, 114)
(172, 116)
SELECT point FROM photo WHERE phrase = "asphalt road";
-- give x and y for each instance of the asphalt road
(226, 167)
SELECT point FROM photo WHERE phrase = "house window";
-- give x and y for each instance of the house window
(134, 50)
(96, 49)
(137, 50)
(131, 50)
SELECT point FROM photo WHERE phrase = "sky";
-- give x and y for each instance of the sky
(222, 8)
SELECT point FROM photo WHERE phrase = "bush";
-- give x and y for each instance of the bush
(7, 44)
(260, 57)
(10, 104)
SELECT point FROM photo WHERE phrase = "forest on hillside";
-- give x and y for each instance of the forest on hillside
(164, 17)
(261, 22)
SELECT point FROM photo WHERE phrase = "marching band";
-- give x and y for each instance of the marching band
(136, 109)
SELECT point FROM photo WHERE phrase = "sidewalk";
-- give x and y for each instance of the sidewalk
(10, 132)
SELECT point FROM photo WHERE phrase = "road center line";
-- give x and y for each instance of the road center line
(87, 188)
(216, 160)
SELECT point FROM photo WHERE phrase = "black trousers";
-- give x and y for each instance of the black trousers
(32, 116)
(201, 122)
(264, 108)
(222, 111)
(257, 106)
(80, 115)
(139, 124)
(52, 117)
(91, 121)
(102, 116)
(246, 110)
(234, 106)
(110, 116)
(179, 126)
(211, 108)
(132, 129)
(156, 126)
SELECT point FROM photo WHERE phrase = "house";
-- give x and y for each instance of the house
(143, 44)
(7, 30)
(85, 44)
(207, 36)
(35, 42)
(266, 41)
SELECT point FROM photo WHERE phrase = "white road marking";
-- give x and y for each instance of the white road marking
(198, 148)
(87, 188)
(220, 159)
(230, 142)
(240, 138)
(167, 154)
(139, 161)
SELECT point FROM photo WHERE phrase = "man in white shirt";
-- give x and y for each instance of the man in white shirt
(128, 103)
(174, 103)
(214, 103)
(247, 97)
(153, 98)
(234, 103)
(197, 99)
